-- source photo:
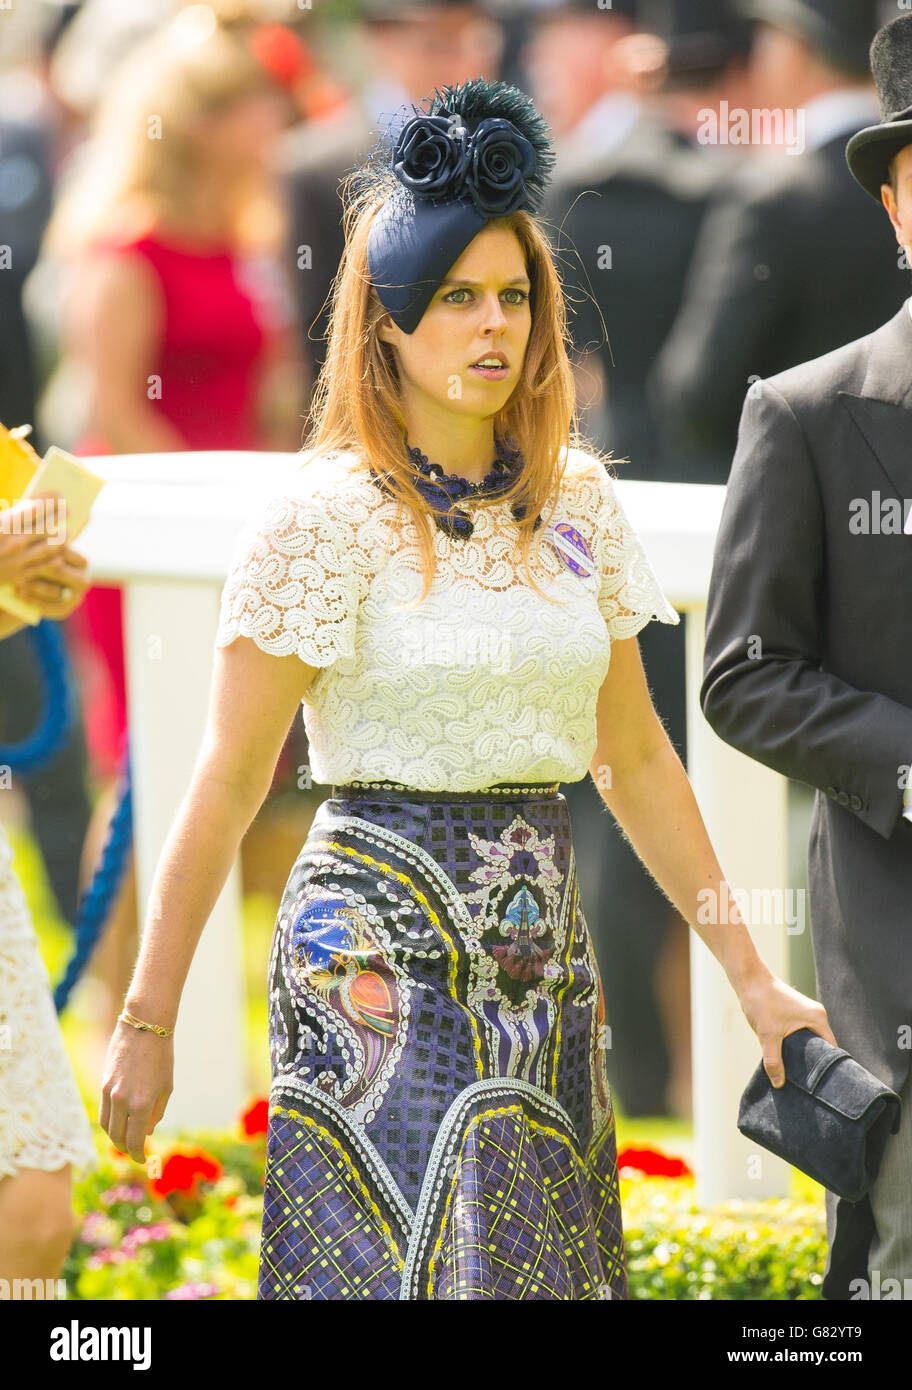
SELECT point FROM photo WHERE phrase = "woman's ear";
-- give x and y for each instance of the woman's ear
(386, 330)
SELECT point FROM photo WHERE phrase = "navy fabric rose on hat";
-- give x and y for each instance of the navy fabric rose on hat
(431, 157)
(501, 161)
(437, 158)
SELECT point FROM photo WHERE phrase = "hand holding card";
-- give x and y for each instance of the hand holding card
(62, 491)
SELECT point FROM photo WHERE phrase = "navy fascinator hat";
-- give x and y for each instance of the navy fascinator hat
(480, 151)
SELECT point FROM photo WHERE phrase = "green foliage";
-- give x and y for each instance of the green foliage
(772, 1249)
(198, 1244)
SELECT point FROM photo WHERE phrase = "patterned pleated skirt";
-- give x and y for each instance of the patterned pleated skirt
(440, 1122)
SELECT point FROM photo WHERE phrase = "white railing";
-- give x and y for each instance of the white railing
(164, 528)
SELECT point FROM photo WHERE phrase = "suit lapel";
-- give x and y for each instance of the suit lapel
(883, 410)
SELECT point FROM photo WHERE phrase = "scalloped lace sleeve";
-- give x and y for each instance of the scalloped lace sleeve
(298, 576)
(630, 594)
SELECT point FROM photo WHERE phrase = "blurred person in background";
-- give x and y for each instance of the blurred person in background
(44, 1129)
(760, 295)
(793, 260)
(407, 49)
(634, 166)
(572, 61)
(644, 168)
(29, 93)
(56, 793)
(176, 330)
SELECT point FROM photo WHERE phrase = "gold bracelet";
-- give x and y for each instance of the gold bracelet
(144, 1027)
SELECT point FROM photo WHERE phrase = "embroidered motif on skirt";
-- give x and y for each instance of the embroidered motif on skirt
(440, 1120)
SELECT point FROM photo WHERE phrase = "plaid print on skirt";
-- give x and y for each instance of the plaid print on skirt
(440, 1122)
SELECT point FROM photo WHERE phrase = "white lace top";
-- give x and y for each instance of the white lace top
(484, 682)
(43, 1122)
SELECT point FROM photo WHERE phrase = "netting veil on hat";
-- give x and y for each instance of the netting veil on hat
(480, 151)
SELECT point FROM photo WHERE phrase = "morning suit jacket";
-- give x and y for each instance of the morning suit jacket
(826, 698)
(644, 201)
(793, 260)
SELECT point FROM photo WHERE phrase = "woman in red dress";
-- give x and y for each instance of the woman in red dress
(202, 313)
(175, 319)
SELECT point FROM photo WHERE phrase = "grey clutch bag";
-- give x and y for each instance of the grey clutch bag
(831, 1119)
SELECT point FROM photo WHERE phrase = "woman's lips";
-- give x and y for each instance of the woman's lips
(491, 373)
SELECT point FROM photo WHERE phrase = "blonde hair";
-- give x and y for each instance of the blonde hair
(356, 404)
(140, 160)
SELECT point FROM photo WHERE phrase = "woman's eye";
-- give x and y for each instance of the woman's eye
(521, 296)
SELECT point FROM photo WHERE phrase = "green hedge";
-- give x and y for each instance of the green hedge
(772, 1249)
(204, 1243)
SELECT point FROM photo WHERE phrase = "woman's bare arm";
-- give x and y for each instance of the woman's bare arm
(253, 701)
(643, 783)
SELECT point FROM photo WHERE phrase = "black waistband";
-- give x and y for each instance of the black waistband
(398, 791)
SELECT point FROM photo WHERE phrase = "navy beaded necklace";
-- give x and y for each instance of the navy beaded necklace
(443, 490)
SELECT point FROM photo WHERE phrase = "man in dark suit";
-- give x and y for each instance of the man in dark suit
(808, 635)
(629, 209)
(792, 260)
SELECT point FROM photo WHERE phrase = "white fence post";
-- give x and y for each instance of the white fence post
(744, 806)
(170, 629)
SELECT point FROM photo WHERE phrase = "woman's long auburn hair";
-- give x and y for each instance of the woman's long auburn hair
(357, 402)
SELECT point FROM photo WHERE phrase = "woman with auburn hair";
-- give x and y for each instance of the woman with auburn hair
(175, 332)
(440, 1122)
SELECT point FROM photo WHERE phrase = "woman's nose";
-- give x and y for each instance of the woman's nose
(493, 314)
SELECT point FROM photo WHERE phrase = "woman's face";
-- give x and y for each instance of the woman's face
(243, 134)
(482, 309)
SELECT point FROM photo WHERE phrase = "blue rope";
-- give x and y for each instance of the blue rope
(57, 709)
(57, 714)
(95, 903)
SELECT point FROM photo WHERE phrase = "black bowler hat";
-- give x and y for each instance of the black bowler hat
(840, 31)
(869, 153)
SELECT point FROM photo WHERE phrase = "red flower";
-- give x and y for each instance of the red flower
(255, 1119)
(181, 1172)
(653, 1164)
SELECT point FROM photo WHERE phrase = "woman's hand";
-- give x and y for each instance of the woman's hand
(138, 1079)
(773, 1009)
(24, 546)
(58, 586)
